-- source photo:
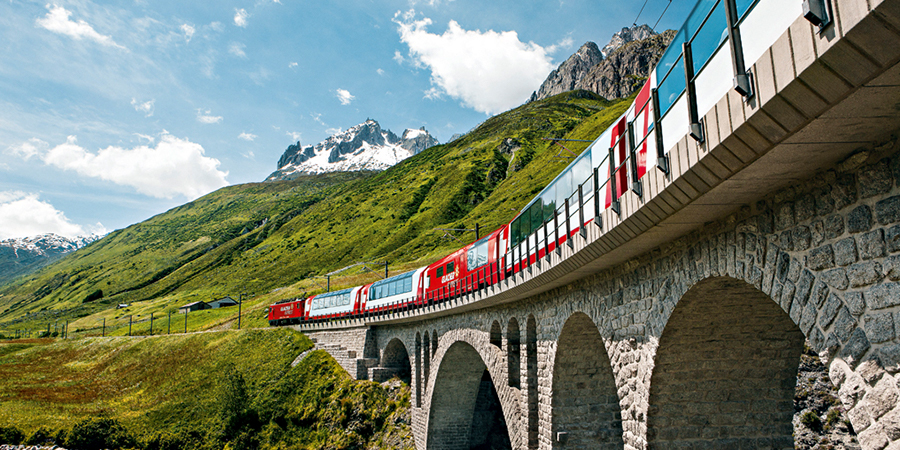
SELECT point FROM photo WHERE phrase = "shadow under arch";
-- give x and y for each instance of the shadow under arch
(465, 410)
(395, 361)
(585, 401)
(725, 372)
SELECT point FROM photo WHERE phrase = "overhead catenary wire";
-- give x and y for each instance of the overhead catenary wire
(639, 13)
(661, 15)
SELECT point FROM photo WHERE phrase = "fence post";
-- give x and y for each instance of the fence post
(240, 302)
(151, 324)
(103, 333)
(129, 325)
(186, 311)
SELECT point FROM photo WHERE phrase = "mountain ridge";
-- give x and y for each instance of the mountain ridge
(19, 256)
(362, 147)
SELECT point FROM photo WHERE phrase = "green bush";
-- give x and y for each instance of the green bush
(11, 435)
(96, 295)
(42, 436)
(98, 433)
(811, 420)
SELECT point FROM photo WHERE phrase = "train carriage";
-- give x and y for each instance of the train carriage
(467, 269)
(394, 292)
(332, 305)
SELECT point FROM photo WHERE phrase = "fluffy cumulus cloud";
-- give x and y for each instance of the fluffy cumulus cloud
(247, 136)
(487, 71)
(344, 96)
(57, 20)
(174, 167)
(25, 214)
(240, 17)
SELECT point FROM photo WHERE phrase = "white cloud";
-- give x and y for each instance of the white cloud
(563, 44)
(146, 107)
(295, 135)
(318, 118)
(24, 215)
(203, 116)
(398, 57)
(26, 150)
(249, 155)
(149, 139)
(188, 32)
(427, 2)
(489, 72)
(333, 131)
(175, 167)
(344, 96)
(240, 17)
(247, 136)
(292, 65)
(380, 71)
(217, 26)
(237, 49)
(57, 21)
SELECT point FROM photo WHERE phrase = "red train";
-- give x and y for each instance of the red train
(592, 183)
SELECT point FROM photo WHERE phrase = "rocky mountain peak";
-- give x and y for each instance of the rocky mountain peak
(365, 146)
(626, 35)
(568, 73)
(613, 72)
(23, 255)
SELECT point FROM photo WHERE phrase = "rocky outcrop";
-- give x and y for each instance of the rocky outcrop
(616, 71)
(626, 68)
(626, 35)
(567, 75)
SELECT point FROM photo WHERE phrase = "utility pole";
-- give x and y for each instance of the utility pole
(103, 333)
(129, 325)
(185, 319)
(385, 269)
(240, 302)
(169, 323)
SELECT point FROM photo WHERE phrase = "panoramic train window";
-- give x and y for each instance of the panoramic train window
(398, 284)
(477, 256)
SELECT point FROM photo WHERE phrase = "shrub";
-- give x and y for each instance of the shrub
(42, 436)
(99, 433)
(811, 420)
(11, 435)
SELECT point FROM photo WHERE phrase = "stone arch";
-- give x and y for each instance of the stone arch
(426, 359)
(725, 370)
(496, 334)
(395, 362)
(513, 354)
(465, 409)
(531, 381)
(418, 370)
(434, 342)
(585, 403)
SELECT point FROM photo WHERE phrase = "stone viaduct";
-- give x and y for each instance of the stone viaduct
(680, 322)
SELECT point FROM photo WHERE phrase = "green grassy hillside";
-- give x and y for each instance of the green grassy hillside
(260, 237)
(200, 390)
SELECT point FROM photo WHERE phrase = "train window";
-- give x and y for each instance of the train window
(407, 285)
(548, 200)
(537, 215)
(449, 267)
(440, 272)
(581, 170)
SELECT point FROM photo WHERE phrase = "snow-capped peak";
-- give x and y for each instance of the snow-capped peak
(362, 147)
(48, 244)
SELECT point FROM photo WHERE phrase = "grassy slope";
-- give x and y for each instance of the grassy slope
(223, 244)
(175, 383)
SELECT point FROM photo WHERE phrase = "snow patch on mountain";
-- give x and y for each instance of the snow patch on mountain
(362, 147)
(47, 244)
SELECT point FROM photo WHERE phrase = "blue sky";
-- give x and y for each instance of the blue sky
(113, 112)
